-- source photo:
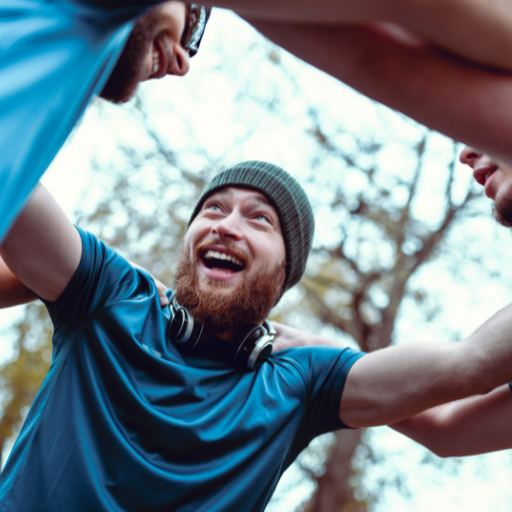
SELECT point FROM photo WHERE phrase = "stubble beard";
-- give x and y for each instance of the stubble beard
(502, 210)
(125, 77)
(219, 309)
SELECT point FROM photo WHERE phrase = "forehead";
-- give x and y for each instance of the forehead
(242, 195)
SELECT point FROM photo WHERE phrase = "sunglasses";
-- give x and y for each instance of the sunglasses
(194, 29)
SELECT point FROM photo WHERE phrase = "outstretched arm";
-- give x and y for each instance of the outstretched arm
(14, 293)
(463, 101)
(395, 383)
(467, 427)
(480, 30)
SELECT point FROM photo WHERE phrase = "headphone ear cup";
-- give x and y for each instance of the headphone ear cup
(183, 331)
(246, 339)
(254, 347)
(270, 329)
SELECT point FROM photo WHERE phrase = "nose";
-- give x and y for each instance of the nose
(229, 228)
(469, 156)
(181, 62)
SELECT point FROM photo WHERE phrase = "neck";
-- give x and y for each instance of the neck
(228, 335)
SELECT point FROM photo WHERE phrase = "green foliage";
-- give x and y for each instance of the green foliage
(21, 378)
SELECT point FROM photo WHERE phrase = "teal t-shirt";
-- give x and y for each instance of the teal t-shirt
(124, 422)
(54, 55)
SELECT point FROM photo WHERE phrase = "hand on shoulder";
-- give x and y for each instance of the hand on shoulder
(288, 337)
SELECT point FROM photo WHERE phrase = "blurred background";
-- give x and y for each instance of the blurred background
(405, 246)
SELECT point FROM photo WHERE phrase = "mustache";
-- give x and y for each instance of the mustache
(240, 253)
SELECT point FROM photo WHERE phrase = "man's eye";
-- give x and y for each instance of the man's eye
(213, 206)
(261, 216)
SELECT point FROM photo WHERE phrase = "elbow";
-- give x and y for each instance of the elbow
(433, 432)
(442, 450)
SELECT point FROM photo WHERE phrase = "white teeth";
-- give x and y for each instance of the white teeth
(223, 256)
(156, 61)
(487, 174)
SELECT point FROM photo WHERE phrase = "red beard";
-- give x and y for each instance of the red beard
(209, 304)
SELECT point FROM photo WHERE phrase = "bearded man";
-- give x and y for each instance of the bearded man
(133, 417)
(56, 55)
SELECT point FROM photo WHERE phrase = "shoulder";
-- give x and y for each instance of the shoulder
(103, 278)
(309, 357)
(317, 362)
(107, 269)
(97, 255)
(316, 375)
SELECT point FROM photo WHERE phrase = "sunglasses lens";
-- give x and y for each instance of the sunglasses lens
(197, 18)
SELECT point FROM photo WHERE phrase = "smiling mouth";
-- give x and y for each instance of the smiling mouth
(482, 174)
(160, 59)
(216, 260)
(156, 62)
(488, 174)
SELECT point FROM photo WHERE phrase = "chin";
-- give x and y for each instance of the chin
(222, 286)
(502, 209)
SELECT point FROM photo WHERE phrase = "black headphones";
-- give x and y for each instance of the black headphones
(248, 351)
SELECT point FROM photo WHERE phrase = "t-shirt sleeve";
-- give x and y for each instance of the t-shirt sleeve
(325, 370)
(103, 277)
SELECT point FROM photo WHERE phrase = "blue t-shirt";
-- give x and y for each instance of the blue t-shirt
(124, 422)
(54, 55)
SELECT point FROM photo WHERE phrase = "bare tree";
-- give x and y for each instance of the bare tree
(371, 237)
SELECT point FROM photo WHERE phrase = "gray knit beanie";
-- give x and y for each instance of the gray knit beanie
(289, 200)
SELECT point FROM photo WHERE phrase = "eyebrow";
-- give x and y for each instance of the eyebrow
(262, 199)
(258, 197)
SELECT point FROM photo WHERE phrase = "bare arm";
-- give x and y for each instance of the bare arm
(43, 249)
(467, 103)
(467, 427)
(480, 30)
(395, 383)
(12, 291)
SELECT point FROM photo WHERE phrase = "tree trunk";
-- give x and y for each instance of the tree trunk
(334, 493)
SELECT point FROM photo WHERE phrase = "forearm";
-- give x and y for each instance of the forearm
(12, 291)
(392, 384)
(451, 24)
(467, 427)
(470, 104)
